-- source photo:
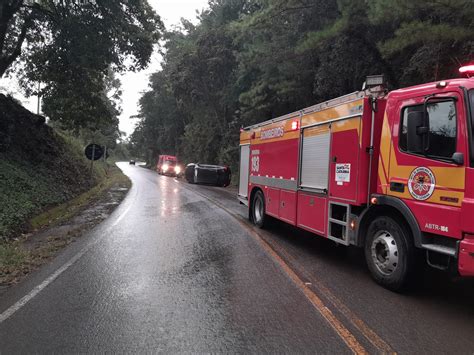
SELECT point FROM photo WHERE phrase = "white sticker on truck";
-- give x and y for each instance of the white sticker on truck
(343, 173)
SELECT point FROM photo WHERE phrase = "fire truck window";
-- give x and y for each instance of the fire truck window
(404, 128)
(442, 119)
(442, 129)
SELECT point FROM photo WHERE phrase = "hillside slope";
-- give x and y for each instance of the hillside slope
(38, 167)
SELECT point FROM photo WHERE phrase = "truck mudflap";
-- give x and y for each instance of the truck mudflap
(466, 256)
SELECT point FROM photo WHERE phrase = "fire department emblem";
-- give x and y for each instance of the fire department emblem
(421, 183)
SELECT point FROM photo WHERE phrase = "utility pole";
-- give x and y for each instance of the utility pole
(39, 98)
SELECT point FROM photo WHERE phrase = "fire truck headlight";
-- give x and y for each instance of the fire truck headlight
(165, 167)
(177, 169)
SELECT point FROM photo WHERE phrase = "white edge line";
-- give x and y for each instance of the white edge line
(34, 292)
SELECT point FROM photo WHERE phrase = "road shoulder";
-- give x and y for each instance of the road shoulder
(58, 227)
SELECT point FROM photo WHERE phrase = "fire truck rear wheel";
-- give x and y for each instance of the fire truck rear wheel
(258, 209)
(390, 253)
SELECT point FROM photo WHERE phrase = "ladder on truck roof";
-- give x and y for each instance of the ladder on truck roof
(315, 108)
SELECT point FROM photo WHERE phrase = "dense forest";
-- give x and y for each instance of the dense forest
(251, 60)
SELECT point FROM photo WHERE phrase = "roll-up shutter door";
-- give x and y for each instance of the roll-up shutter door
(315, 157)
(244, 170)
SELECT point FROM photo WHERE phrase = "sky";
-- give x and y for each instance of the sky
(133, 84)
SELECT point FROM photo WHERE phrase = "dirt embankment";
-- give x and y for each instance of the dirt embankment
(38, 168)
(47, 196)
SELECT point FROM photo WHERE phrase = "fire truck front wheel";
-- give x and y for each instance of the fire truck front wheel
(258, 209)
(390, 253)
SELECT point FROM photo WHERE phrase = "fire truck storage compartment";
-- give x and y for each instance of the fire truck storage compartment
(273, 201)
(312, 212)
(315, 143)
(345, 150)
(244, 170)
(287, 210)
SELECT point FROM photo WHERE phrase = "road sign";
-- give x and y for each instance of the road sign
(94, 152)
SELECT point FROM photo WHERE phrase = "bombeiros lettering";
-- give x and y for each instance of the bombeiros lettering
(275, 132)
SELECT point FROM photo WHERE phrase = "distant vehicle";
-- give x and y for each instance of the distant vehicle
(168, 165)
(208, 174)
(132, 162)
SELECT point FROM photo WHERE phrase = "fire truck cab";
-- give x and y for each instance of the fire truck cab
(168, 165)
(392, 173)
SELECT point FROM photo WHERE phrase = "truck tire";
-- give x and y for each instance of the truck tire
(390, 253)
(258, 209)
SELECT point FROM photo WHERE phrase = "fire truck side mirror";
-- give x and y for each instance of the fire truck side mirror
(458, 158)
(416, 132)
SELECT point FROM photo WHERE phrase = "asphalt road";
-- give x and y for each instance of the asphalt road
(177, 268)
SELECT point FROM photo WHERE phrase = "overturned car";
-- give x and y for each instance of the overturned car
(216, 175)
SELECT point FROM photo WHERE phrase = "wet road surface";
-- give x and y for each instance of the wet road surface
(177, 268)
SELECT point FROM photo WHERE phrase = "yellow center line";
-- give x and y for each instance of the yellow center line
(344, 333)
(347, 337)
(358, 323)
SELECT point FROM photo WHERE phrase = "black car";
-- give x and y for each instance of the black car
(208, 174)
(132, 162)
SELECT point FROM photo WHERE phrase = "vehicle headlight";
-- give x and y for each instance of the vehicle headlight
(165, 167)
(177, 169)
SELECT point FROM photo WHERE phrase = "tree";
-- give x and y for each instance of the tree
(111, 32)
(252, 60)
(69, 46)
(428, 40)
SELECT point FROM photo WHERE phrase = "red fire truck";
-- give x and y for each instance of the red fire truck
(168, 165)
(392, 173)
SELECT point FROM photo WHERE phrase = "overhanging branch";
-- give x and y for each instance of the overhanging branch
(8, 59)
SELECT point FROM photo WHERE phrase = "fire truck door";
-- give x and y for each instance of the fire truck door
(431, 183)
(244, 170)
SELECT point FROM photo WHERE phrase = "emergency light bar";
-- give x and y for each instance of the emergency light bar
(467, 69)
(374, 80)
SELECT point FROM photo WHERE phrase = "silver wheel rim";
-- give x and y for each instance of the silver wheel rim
(258, 210)
(384, 252)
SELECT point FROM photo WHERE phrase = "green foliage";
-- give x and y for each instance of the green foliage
(71, 48)
(39, 167)
(120, 153)
(27, 188)
(252, 60)
(413, 33)
(424, 40)
(24, 190)
(12, 255)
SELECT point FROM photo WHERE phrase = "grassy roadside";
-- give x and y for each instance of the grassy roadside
(55, 228)
(67, 210)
